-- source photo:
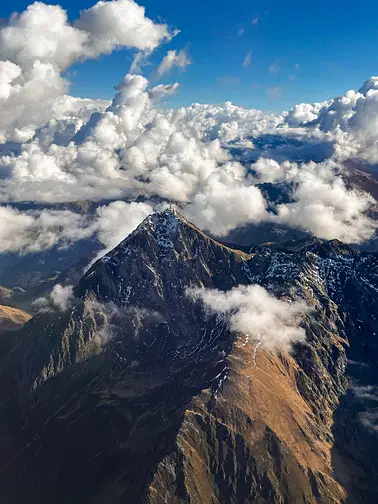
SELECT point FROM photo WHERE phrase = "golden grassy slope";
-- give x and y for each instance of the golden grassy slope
(12, 318)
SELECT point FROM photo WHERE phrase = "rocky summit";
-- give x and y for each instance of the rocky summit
(136, 393)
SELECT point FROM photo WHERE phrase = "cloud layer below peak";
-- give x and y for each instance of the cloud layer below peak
(224, 166)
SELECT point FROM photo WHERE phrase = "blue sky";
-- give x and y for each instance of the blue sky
(301, 51)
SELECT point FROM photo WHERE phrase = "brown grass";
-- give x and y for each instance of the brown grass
(12, 318)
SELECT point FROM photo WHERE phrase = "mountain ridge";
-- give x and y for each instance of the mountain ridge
(193, 411)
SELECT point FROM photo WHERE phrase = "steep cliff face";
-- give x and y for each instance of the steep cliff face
(137, 394)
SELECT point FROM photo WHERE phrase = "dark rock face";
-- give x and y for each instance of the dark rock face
(136, 394)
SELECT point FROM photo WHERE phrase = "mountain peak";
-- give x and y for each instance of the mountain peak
(169, 217)
(163, 227)
(168, 229)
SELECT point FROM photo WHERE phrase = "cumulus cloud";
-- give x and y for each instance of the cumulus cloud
(62, 297)
(303, 113)
(211, 160)
(41, 33)
(268, 321)
(37, 45)
(179, 59)
(118, 220)
(119, 23)
(130, 148)
(325, 207)
(225, 203)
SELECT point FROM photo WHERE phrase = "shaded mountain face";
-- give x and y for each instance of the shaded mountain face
(136, 393)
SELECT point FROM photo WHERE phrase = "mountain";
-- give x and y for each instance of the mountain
(36, 272)
(138, 393)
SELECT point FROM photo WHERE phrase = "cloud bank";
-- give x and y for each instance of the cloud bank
(252, 311)
(37, 230)
(224, 166)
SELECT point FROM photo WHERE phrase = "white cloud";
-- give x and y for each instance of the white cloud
(162, 90)
(8, 73)
(33, 231)
(60, 299)
(132, 149)
(303, 113)
(325, 207)
(225, 202)
(41, 33)
(268, 321)
(120, 23)
(207, 158)
(117, 220)
(269, 170)
(40, 43)
(179, 59)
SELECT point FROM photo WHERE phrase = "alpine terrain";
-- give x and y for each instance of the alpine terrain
(135, 390)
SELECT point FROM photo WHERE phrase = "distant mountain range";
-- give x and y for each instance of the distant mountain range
(133, 391)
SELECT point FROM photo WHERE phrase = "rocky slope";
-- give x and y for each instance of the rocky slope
(135, 393)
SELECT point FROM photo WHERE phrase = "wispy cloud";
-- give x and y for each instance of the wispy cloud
(60, 299)
(247, 59)
(274, 92)
(266, 320)
(255, 21)
(228, 80)
(172, 59)
(274, 67)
